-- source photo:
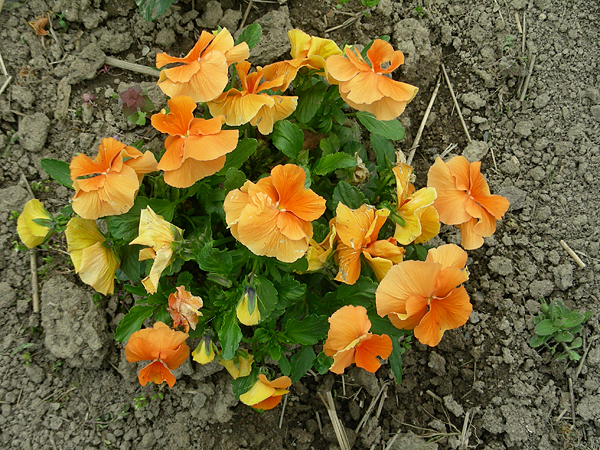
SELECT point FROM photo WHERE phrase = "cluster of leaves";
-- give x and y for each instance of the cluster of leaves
(557, 328)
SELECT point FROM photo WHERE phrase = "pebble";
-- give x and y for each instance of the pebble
(523, 128)
(595, 110)
(540, 289)
(501, 265)
(541, 101)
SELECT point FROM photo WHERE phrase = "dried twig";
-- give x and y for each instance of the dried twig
(462, 120)
(5, 85)
(572, 395)
(370, 408)
(572, 254)
(285, 400)
(585, 353)
(526, 85)
(381, 402)
(2, 66)
(464, 438)
(346, 23)
(243, 22)
(340, 432)
(500, 12)
(524, 33)
(319, 422)
(131, 66)
(413, 149)
(448, 149)
(518, 22)
(392, 440)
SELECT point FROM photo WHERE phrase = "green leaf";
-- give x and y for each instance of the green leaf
(234, 179)
(236, 159)
(563, 336)
(132, 321)
(349, 195)
(301, 362)
(214, 260)
(48, 223)
(58, 170)
(251, 35)
(267, 296)
(545, 328)
(382, 325)
(275, 351)
(536, 340)
(130, 265)
(140, 291)
(309, 102)
(230, 335)
(384, 151)
(242, 385)
(288, 138)
(323, 363)
(330, 144)
(390, 129)
(152, 9)
(308, 331)
(395, 360)
(361, 293)
(338, 114)
(330, 163)
(285, 366)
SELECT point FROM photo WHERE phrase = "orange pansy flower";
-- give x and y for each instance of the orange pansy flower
(349, 341)
(166, 348)
(183, 307)
(108, 185)
(464, 199)
(357, 231)
(265, 394)
(421, 219)
(196, 148)
(249, 105)
(426, 295)
(203, 75)
(365, 86)
(307, 51)
(273, 217)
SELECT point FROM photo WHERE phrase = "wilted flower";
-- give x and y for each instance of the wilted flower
(183, 307)
(349, 341)
(158, 235)
(318, 254)
(265, 394)
(273, 217)
(133, 100)
(196, 148)
(163, 346)
(366, 86)
(247, 310)
(357, 231)
(95, 263)
(464, 199)
(203, 75)
(252, 104)
(108, 185)
(421, 219)
(31, 233)
(205, 352)
(240, 365)
(426, 295)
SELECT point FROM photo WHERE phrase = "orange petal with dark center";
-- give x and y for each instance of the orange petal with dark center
(156, 372)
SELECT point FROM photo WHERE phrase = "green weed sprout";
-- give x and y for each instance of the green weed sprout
(557, 327)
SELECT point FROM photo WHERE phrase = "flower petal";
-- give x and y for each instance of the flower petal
(450, 201)
(347, 324)
(177, 121)
(289, 180)
(368, 350)
(156, 372)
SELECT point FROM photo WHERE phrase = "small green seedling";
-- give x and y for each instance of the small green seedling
(557, 327)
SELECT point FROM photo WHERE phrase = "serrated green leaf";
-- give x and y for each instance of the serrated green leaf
(236, 159)
(132, 321)
(308, 331)
(58, 171)
(267, 296)
(390, 129)
(330, 163)
(301, 362)
(384, 151)
(288, 138)
(347, 194)
(152, 9)
(242, 385)
(361, 293)
(230, 335)
(214, 260)
(309, 102)
(251, 35)
(330, 144)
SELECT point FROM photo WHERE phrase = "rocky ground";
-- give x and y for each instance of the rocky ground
(64, 382)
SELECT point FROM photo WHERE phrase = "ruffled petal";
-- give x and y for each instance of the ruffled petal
(369, 349)
(177, 121)
(341, 69)
(448, 255)
(288, 180)
(211, 147)
(450, 202)
(346, 325)
(156, 372)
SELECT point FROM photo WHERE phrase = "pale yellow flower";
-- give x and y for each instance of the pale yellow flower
(240, 365)
(95, 263)
(247, 310)
(31, 233)
(158, 234)
(205, 352)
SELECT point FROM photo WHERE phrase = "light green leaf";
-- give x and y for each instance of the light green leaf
(330, 163)
(132, 321)
(230, 335)
(58, 170)
(288, 138)
(251, 35)
(301, 362)
(390, 129)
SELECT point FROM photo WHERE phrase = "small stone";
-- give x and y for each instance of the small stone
(437, 363)
(541, 289)
(595, 110)
(212, 15)
(537, 173)
(453, 406)
(87, 64)
(7, 295)
(563, 276)
(33, 131)
(35, 373)
(523, 128)
(165, 38)
(475, 150)
(63, 95)
(115, 42)
(541, 101)
(274, 43)
(501, 265)
(231, 19)
(515, 196)
(472, 100)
